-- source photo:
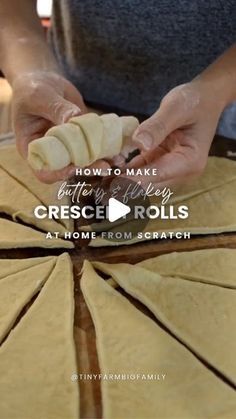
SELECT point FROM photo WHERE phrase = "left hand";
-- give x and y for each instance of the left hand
(176, 139)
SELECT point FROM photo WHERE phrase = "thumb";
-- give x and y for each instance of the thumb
(155, 129)
(59, 110)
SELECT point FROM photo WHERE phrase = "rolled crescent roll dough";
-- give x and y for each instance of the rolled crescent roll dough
(129, 125)
(76, 146)
(112, 126)
(81, 141)
(92, 127)
(48, 152)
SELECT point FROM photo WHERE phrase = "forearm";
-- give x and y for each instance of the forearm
(220, 77)
(23, 47)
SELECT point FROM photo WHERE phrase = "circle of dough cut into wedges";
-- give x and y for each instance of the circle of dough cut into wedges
(48, 153)
(73, 139)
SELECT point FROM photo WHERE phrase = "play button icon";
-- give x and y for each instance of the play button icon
(117, 210)
(118, 201)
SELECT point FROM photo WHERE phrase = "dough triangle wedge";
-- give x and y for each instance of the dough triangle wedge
(218, 172)
(130, 343)
(18, 202)
(200, 315)
(212, 266)
(38, 357)
(17, 290)
(12, 266)
(211, 207)
(15, 235)
(18, 168)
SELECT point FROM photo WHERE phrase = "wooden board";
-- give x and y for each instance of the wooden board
(84, 333)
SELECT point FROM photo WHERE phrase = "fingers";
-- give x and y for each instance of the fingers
(74, 96)
(118, 160)
(173, 167)
(60, 108)
(32, 118)
(171, 115)
(145, 158)
(41, 100)
(154, 130)
(57, 109)
(27, 130)
(48, 176)
(128, 149)
(99, 164)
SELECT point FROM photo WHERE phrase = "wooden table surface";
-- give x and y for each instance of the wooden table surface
(84, 333)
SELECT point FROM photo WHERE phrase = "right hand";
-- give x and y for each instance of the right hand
(42, 99)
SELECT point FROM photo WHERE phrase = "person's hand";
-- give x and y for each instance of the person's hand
(42, 99)
(177, 138)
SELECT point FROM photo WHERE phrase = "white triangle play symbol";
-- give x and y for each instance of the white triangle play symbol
(116, 210)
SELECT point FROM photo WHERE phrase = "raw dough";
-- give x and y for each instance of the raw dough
(77, 148)
(17, 201)
(202, 316)
(81, 141)
(112, 134)
(218, 172)
(211, 266)
(17, 290)
(211, 202)
(92, 128)
(38, 357)
(14, 235)
(12, 266)
(15, 166)
(48, 146)
(128, 342)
